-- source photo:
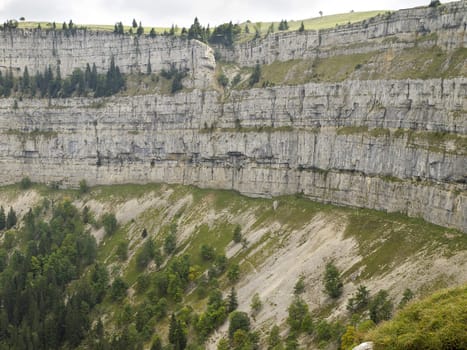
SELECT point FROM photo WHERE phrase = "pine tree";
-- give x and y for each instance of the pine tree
(2, 218)
(255, 76)
(152, 33)
(140, 30)
(233, 303)
(173, 330)
(149, 68)
(177, 334)
(134, 24)
(11, 219)
(157, 344)
(196, 31)
(302, 27)
(332, 281)
(26, 82)
(93, 78)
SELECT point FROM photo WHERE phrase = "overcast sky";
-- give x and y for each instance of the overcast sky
(167, 12)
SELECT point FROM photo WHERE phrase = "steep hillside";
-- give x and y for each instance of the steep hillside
(283, 240)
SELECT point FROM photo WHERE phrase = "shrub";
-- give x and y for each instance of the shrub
(406, 297)
(223, 80)
(299, 287)
(118, 289)
(170, 243)
(145, 255)
(332, 281)
(359, 301)
(122, 250)
(109, 221)
(238, 321)
(25, 183)
(233, 273)
(437, 322)
(380, 307)
(255, 76)
(298, 313)
(237, 234)
(256, 304)
(83, 187)
(207, 252)
(2, 218)
(11, 219)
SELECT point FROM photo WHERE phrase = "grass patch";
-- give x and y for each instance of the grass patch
(386, 240)
(292, 72)
(218, 237)
(124, 192)
(97, 27)
(436, 322)
(439, 142)
(106, 252)
(47, 134)
(351, 130)
(315, 23)
(339, 68)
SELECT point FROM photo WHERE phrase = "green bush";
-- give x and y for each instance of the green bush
(2, 218)
(207, 252)
(299, 287)
(25, 183)
(223, 80)
(109, 221)
(437, 322)
(118, 289)
(11, 219)
(238, 320)
(380, 307)
(299, 318)
(332, 281)
(83, 187)
(237, 234)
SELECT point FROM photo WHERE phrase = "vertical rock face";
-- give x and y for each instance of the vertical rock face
(392, 145)
(395, 146)
(390, 30)
(37, 49)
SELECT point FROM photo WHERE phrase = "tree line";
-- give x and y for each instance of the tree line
(224, 34)
(50, 84)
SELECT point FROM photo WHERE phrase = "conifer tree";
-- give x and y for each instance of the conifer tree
(302, 27)
(2, 218)
(332, 281)
(140, 29)
(26, 81)
(11, 219)
(233, 302)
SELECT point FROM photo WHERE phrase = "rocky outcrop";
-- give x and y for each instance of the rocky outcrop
(365, 346)
(393, 145)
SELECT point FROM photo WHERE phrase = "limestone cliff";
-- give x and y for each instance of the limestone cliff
(402, 29)
(392, 145)
(37, 49)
